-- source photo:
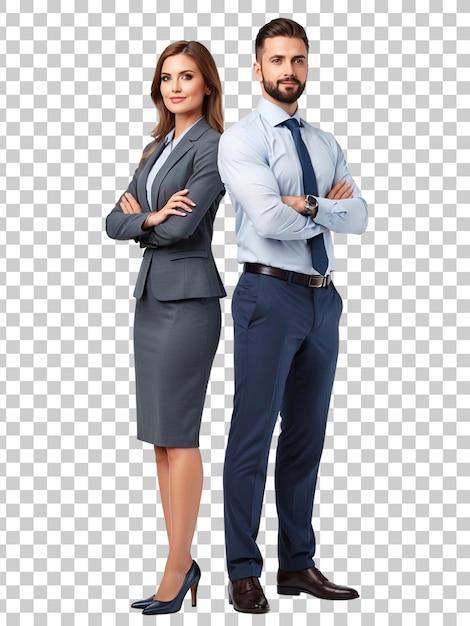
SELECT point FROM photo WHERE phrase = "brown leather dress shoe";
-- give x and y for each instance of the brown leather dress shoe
(312, 581)
(247, 596)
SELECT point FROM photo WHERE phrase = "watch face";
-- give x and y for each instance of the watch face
(312, 201)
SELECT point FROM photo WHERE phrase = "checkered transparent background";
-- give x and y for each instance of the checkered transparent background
(81, 530)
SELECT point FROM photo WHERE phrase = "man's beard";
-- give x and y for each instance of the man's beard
(287, 97)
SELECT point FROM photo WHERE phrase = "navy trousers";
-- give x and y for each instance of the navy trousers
(286, 349)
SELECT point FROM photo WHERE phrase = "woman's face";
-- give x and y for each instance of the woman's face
(182, 86)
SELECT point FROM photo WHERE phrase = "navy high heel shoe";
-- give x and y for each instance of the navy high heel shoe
(143, 604)
(191, 581)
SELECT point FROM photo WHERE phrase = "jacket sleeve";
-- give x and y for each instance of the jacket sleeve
(205, 187)
(123, 226)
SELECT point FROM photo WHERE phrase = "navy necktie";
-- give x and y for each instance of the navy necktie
(317, 244)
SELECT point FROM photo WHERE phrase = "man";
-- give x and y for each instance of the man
(286, 315)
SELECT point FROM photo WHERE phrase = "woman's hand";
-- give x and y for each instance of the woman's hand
(178, 200)
(129, 204)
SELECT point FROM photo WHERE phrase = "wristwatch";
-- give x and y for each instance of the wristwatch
(311, 206)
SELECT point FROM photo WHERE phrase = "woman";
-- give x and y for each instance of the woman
(169, 207)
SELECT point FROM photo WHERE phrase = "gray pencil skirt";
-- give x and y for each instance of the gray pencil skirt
(174, 347)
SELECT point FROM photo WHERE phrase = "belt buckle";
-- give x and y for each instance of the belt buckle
(325, 281)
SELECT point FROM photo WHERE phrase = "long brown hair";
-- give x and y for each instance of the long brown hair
(212, 106)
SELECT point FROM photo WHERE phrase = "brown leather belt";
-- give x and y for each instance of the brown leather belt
(295, 277)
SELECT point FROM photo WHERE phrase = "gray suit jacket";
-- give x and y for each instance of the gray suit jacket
(177, 261)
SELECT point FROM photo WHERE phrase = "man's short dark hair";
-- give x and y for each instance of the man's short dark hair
(279, 27)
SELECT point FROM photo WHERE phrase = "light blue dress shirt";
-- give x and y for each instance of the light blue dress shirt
(258, 164)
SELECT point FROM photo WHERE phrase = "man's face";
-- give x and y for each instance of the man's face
(282, 69)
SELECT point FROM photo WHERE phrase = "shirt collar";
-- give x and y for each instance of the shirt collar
(274, 114)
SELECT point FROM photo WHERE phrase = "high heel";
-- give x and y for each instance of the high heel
(191, 581)
(194, 594)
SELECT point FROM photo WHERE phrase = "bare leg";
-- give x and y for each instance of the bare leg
(163, 473)
(184, 497)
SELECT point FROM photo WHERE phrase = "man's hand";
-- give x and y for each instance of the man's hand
(340, 191)
(295, 202)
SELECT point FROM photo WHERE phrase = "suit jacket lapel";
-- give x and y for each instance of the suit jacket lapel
(176, 155)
